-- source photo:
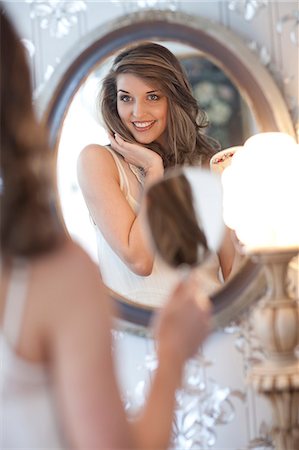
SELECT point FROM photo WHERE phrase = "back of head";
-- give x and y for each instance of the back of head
(174, 226)
(28, 220)
(158, 65)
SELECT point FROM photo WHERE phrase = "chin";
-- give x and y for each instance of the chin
(144, 140)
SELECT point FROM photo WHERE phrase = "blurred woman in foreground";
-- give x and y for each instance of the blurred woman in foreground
(57, 378)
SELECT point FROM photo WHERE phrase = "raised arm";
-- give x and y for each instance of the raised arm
(181, 327)
(79, 342)
(120, 225)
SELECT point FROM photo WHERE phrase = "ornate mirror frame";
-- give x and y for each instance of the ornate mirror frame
(227, 51)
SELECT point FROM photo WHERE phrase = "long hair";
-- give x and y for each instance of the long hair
(152, 62)
(175, 228)
(29, 221)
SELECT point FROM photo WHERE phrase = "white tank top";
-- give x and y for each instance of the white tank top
(151, 290)
(28, 417)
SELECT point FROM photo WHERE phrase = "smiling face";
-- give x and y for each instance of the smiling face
(142, 108)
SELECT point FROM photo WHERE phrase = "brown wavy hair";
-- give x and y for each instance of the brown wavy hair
(29, 220)
(152, 62)
(175, 228)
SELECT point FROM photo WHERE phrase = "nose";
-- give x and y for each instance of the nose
(138, 109)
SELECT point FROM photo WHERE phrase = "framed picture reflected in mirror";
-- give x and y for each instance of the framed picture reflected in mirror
(230, 120)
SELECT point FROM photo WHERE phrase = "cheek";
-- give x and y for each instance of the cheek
(119, 109)
(122, 113)
(164, 114)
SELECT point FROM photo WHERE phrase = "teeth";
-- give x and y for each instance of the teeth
(142, 124)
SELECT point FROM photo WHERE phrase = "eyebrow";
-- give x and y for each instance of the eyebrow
(148, 92)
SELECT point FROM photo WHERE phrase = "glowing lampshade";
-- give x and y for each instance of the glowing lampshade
(261, 192)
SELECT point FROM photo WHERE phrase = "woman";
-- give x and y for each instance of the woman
(57, 379)
(154, 123)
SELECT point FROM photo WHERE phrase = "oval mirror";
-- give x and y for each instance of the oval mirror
(198, 42)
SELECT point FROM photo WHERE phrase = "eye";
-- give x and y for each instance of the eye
(153, 97)
(124, 98)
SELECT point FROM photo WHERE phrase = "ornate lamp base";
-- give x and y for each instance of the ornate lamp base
(276, 322)
(281, 387)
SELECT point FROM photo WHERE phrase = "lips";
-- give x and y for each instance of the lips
(143, 126)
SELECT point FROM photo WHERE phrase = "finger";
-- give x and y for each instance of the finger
(126, 145)
(115, 145)
(203, 302)
(119, 139)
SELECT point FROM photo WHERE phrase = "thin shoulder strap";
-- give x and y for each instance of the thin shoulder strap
(124, 183)
(15, 301)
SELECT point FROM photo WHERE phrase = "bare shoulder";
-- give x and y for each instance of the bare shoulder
(65, 290)
(94, 154)
(74, 256)
(92, 150)
(66, 270)
(95, 163)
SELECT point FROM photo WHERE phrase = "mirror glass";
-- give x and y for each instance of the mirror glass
(231, 122)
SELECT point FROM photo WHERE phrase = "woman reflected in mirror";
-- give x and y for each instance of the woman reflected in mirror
(154, 123)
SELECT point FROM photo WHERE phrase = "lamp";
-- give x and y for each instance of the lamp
(260, 194)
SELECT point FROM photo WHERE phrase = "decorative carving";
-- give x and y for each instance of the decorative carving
(50, 69)
(249, 346)
(276, 320)
(247, 8)
(293, 19)
(201, 405)
(29, 46)
(140, 5)
(281, 79)
(59, 16)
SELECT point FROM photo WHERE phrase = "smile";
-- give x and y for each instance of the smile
(143, 126)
